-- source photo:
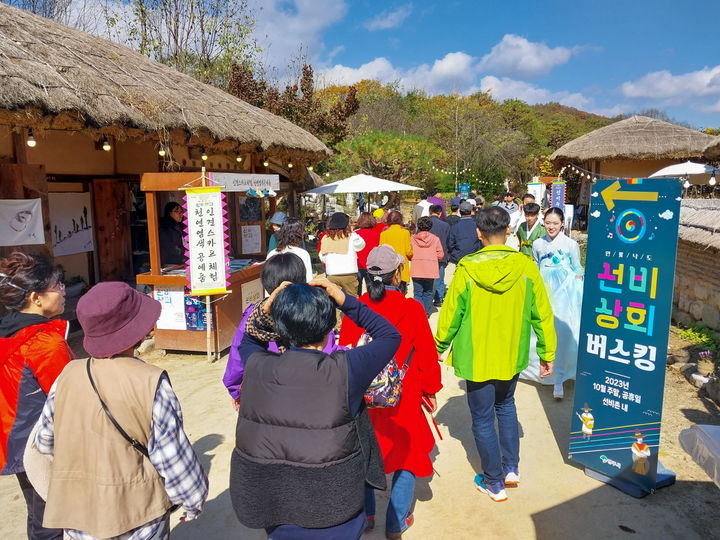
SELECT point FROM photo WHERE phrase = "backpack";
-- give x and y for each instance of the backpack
(385, 390)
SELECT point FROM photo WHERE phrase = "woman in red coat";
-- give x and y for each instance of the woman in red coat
(403, 432)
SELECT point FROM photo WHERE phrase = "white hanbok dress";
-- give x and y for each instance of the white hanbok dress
(559, 262)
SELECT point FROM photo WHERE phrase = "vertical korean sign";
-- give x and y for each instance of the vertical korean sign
(208, 263)
(630, 267)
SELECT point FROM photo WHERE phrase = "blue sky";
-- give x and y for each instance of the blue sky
(616, 56)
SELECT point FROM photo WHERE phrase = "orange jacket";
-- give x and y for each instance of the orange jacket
(30, 361)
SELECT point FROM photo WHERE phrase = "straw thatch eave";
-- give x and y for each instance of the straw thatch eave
(635, 138)
(700, 222)
(712, 150)
(56, 77)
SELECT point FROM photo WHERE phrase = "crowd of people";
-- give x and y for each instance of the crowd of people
(333, 388)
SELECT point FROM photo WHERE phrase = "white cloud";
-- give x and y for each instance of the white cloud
(667, 214)
(665, 85)
(389, 19)
(515, 56)
(596, 214)
(379, 69)
(595, 194)
(285, 27)
(506, 88)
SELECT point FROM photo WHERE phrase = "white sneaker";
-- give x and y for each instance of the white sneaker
(558, 392)
(512, 478)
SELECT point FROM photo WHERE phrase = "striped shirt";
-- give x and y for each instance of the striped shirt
(169, 451)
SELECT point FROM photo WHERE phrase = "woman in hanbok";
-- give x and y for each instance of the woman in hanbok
(558, 257)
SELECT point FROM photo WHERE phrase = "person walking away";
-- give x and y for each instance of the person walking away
(422, 208)
(463, 238)
(495, 296)
(454, 215)
(441, 230)
(530, 229)
(305, 447)
(33, 352)
(366, 228)
(338, 250)
(558, 257)
(434, 199)
(280, 268)
(101, 484)
(427, 254)
(398, 237)
(171, 235)
(276, 222)
(290, 240)
(402, 431)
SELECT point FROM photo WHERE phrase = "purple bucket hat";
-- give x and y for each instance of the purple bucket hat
(114, 317)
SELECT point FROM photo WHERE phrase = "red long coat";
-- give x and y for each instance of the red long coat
(403, 432)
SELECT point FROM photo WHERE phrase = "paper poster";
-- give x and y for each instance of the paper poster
(172, 300)
(244, 182)
(207, 266)
(252, 292)
(251, 239)
(627, 303)
(21, 222)
(538, 190)
(71, 222)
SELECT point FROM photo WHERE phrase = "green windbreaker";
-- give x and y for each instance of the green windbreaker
(494, 298)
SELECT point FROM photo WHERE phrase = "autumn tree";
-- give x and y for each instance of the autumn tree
(298, 102)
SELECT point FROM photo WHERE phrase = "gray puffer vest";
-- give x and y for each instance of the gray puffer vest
(300, 456)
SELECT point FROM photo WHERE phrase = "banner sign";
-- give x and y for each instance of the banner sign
(557, 195)
(464, 189)
(627, 301)
(208, 265)
(244, 182)
(538, 190)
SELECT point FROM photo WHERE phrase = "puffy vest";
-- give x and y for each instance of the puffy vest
(301, 457)
(99, 483)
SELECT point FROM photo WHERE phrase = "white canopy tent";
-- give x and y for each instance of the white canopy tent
(361, 183)
(694, 173)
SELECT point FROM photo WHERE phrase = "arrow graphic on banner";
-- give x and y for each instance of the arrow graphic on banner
(612, 193)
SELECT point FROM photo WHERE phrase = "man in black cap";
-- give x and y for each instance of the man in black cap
(463, 238)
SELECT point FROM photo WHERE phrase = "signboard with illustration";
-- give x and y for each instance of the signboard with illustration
(208, 263)
(627, 301)
(464, 189)
(71, 222)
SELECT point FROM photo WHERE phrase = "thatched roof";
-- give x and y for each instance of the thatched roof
(700, 222)
(55, 76)
(712, 150)
(637, 137)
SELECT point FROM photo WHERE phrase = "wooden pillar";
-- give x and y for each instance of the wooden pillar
(153, 232)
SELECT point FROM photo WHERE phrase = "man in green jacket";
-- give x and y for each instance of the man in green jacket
(494, 299)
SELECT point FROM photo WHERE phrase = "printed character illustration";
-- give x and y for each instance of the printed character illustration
(588, 422)
(21, 220)
(640, 455)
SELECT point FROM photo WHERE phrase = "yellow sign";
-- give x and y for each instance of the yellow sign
(612, 193)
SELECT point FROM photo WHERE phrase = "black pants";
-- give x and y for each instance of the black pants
(36, 511)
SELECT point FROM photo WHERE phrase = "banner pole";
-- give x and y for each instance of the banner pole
(208, 304)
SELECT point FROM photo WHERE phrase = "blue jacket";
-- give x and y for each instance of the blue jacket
(463, 239)
(441, 230)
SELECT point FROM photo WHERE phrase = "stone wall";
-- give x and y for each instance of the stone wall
(697, 285)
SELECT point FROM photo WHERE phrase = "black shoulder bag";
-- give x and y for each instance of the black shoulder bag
(135, 444)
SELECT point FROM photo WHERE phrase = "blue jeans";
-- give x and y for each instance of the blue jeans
(423, 292)
(489, 400)
(401, 499)
(439, 295)
(362, 274)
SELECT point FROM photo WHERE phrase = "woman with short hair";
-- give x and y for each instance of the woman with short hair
(33, 352)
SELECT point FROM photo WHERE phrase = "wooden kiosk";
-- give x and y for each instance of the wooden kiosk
(178, 327)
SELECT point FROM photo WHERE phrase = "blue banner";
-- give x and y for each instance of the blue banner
(557, 195)
(464, 189)
(627, 302)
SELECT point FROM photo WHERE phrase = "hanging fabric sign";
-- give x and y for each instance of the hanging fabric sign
(208, 264)
(627, 302)
(21, 222)
(557, 195)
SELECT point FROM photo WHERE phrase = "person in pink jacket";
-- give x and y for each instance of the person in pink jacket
(427, 253)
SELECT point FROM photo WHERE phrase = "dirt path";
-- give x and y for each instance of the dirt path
(555, 499)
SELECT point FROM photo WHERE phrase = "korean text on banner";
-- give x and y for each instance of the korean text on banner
(627, 302)
(207, 265)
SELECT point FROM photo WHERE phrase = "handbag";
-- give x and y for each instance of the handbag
(385, 390)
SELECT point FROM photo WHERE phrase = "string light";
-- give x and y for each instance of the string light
(106, 144)
(290, 165)
(310, 168)
(204, 155)
(712, 179)
(238, 158)
(266, 163)
(686, 184)
(31, 142)
(162, 151)
(327, 174)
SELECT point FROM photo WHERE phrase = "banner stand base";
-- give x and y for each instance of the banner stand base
(664, 477)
